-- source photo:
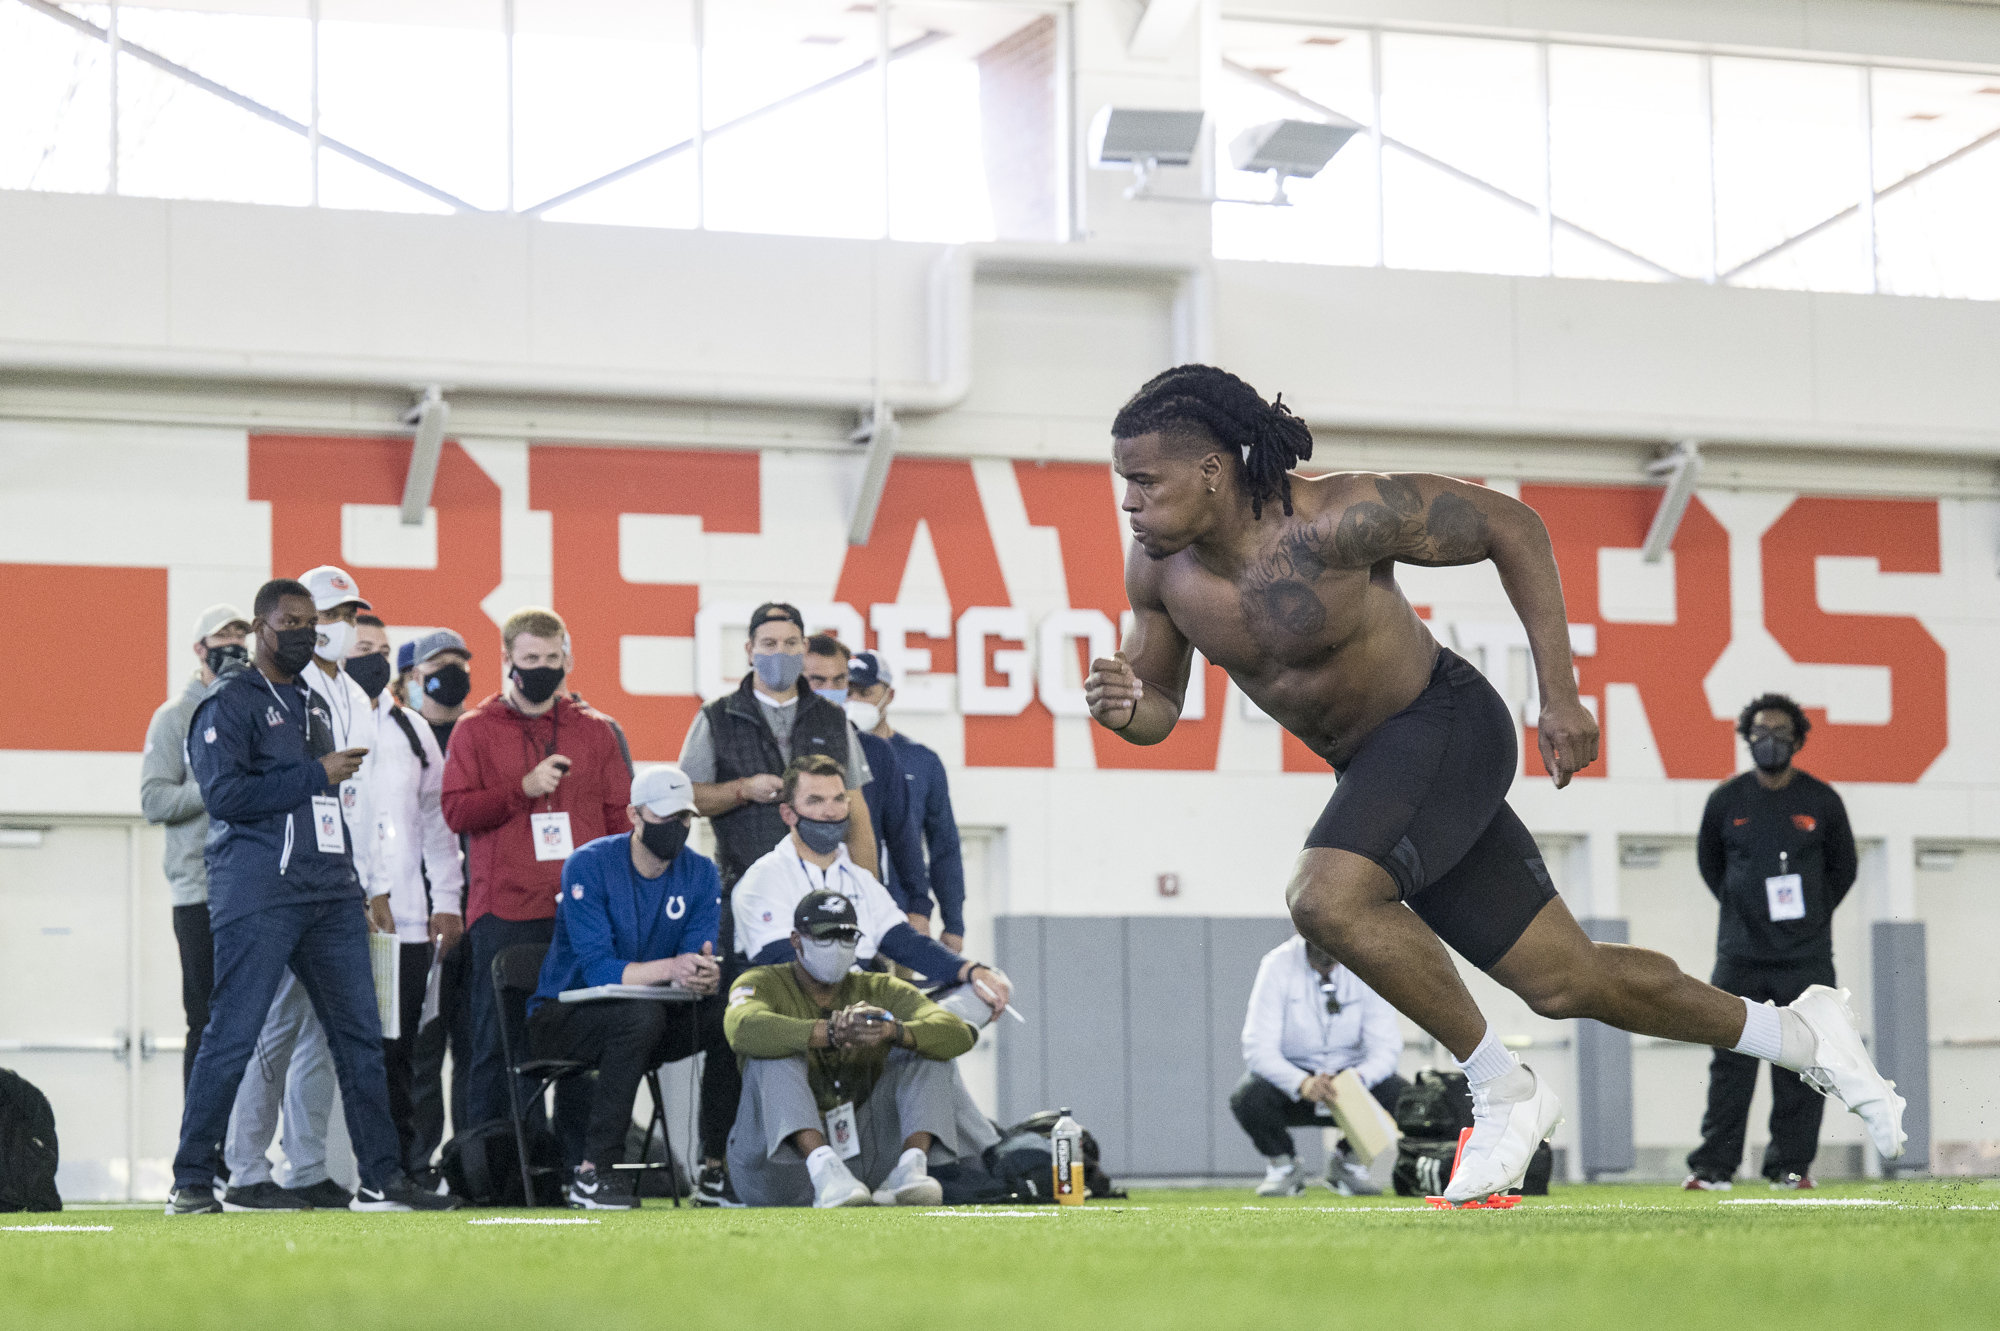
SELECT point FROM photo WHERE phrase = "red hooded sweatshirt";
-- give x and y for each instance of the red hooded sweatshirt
(492, 748)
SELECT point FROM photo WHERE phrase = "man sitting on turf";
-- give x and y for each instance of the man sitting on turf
(636, 907)
(840, 1066)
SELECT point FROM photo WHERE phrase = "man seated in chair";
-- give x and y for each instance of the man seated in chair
(849, 1093)
(636, 908)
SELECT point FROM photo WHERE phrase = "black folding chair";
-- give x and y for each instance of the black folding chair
(518, 970)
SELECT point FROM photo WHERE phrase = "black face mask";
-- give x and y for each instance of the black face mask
(1770, 753)
(539, 684)
(664, 839)
(448, 687)
(292, 649)
(230, 656)
(371, 672)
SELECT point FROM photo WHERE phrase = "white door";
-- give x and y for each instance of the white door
(90, 997)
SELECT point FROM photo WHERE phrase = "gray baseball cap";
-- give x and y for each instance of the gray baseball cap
(218, 617)
(444, 640)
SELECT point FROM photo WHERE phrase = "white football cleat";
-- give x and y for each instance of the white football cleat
(1284, 1178)
(1841, 1068)
(910, 1183)
(1505, 1134)
(834, 1185)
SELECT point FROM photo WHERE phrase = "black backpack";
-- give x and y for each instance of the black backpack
(28, 1151)
(1430, 1115)
(482, 1166)
(1024, 1161)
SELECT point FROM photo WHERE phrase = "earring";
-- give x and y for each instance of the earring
(1211, 489)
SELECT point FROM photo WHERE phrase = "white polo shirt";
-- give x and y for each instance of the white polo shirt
(1288, 1035)
(772, 888)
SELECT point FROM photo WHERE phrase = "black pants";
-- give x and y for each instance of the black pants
(452, 1031)
(1268, 1115)
(399, 1055)
(486, 1096)
(1796, 1108)
(197, 977)
(721, 1080)
(623, 1039)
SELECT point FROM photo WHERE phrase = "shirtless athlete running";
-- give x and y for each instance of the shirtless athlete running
(1289, 584)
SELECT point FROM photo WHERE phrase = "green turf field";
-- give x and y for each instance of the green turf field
(1622, 1257)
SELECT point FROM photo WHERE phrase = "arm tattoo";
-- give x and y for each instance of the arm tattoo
(1400, 495)
(1367, 532)
(1457, 528)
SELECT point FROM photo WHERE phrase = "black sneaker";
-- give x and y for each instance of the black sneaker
(713, 1188)
(265, 1196)
(401, 1194)
(325, 1195)
(193, 1201)
(590, 1192)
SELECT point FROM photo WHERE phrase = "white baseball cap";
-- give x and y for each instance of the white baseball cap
(663, 791)
(218, 617)
(330, 586)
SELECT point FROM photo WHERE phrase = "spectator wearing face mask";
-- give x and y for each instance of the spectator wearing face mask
(870, 691)
(898, 836)
(440, 681)
(634, 909)
(531, 775)
(416, 867)
(848, 1086)
(293, 1069)
(435, 684)
(1776, 850)
(169, 794)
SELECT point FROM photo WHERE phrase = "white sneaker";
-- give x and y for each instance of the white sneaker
(910, 1183)
(1285, 1178)
(834, 1185)
(1841, 1068)
(1349, 1177)
(1505, 1134)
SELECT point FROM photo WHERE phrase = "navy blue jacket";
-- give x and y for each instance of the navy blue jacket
(899, 845)
(254, 747)
(930, 806)
(608, 915)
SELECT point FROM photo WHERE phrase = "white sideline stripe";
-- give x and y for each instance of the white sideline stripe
(522, 1220)
(993, 1215)
(1807, 1202)
(56, 1229)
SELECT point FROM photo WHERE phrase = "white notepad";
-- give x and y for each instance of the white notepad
(659, 993)
(385, 958)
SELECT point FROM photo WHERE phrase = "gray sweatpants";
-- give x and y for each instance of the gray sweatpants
(293, 1066)
(915, 1094)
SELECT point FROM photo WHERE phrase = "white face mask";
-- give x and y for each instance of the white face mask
(865, 715)
(334, 641)
(827, 959)
(414, 691)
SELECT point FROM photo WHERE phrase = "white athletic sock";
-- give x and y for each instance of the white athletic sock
(1281, 1161)
(1799, 1042)
(1488, 1061)
(1763, 1033)
(819, 1161)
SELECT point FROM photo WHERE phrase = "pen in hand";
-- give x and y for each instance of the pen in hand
(990, 997)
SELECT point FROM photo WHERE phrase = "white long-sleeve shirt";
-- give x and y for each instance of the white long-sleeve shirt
(770, 890)
(353, 727)
(1288, 1035)
(406, 832)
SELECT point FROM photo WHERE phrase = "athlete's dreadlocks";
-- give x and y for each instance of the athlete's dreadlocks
(1191, 399)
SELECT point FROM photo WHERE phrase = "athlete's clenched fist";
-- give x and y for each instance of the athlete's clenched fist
(1113, 691)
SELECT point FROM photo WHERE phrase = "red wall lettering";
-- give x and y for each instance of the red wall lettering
(1666, 661)
(944, 496)
(1903, 535)
(584, 491)
(1077, 500)
(307, 479)
(110, 694)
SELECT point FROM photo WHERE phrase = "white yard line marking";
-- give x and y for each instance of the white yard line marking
(56, 1229)
(992, 1215)
(521, 1220)
(1807, 1202)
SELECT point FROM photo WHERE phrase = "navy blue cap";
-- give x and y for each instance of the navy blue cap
(405, 656)
(867, 669)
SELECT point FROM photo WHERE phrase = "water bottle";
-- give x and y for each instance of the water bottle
(1067, 1141)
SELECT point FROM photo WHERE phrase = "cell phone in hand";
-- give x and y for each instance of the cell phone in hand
(877, 1017)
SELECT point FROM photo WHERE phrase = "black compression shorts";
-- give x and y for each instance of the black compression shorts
(1425, 798)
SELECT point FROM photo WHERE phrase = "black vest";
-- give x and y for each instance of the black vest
(745, 746)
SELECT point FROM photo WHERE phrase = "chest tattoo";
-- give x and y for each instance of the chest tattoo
(1276, 592)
